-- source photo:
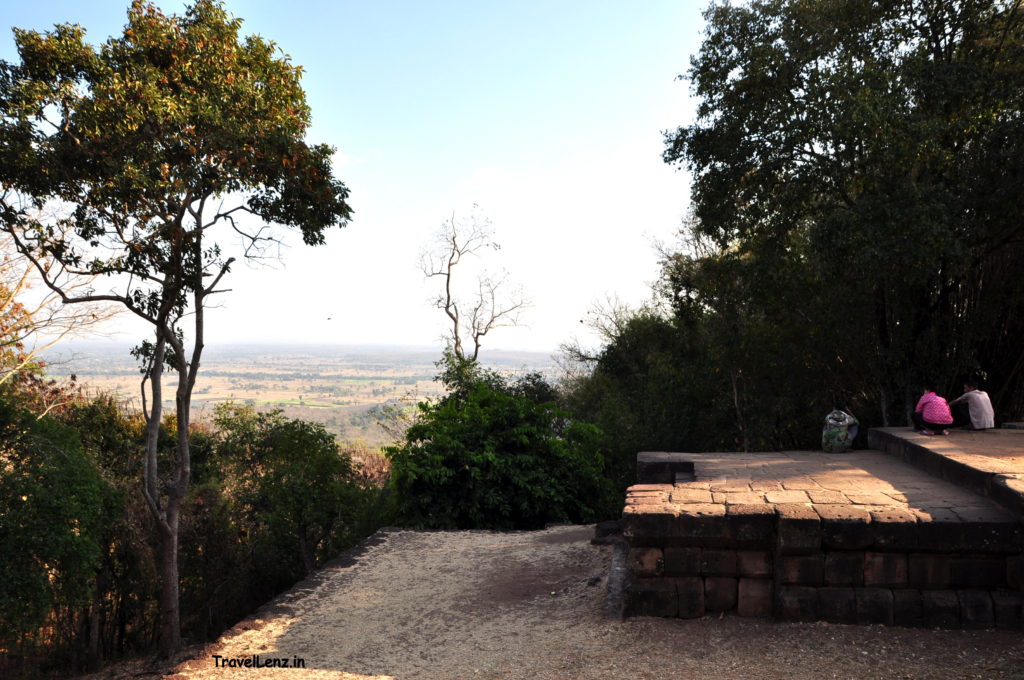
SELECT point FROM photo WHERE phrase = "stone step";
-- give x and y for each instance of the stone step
(987, 462)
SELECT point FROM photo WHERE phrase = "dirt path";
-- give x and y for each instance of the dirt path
(443, 605)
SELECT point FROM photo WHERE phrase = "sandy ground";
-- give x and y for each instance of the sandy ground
(441, 605)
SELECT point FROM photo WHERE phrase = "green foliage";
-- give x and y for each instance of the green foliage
(175, 111)
(294, 488)
(52, 510)
(81, 547)
(108, 432)
(856, 222)
(488, 456)
(709, 371)
(228, 112)
(854, 228)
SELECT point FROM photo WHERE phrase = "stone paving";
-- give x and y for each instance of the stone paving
(866, 480)
(858, 537)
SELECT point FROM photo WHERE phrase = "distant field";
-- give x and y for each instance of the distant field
(345, 388)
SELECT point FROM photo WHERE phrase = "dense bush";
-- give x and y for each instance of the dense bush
(490, 456)
(53, 507)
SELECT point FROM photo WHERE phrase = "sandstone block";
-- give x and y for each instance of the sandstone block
(943, 532)
(837, 605)
(1015, 572)
(800, 483)
(976, 610)
(718, 562)
(701, 524)
(844, 568)
(751, 525)
(804, 570)
(908, 608)
(940, 608)
(978, 572)
(797, 603)
(875, 605)
(799, 529)
(644, 526)
(826, 497)
(885, 569)
(1008, 610)
(983, 532)
(754, 563)
(690, 596)
(894, 529)
(720, 593)
(929, 571)
(659, 467)
(651, 597)
(686, 494)
(739, 497)
(845, 527)
(645, 562)
(754, 597)
(682, 561)
(787, 496)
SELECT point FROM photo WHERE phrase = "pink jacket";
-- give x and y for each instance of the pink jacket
(934, 409)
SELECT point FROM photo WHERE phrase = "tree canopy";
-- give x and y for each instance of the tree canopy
(856, 229)
(138, 138)
(856, 174)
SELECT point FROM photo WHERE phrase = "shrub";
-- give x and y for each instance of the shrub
(52, 509)
(295, 490)
(488, 456)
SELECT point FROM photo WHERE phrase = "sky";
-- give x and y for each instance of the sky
(546, 114)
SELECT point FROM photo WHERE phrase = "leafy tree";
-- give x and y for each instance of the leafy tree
(123, 162)
(488, 456)
(855, 167)
(292, 482)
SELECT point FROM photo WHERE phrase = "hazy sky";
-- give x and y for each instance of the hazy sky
(548, 114)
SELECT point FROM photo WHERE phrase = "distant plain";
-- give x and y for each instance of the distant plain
(346, 388)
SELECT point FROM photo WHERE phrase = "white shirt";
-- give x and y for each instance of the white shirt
(978, 403)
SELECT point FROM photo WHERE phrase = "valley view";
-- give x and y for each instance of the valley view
(346, 388)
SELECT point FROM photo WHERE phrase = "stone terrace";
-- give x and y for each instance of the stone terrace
(988, 462)
(862, 537)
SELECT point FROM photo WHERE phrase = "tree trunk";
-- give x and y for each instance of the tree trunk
(306, 548)
(165, 511)
(170, 625)
(737, 404)
(95, 610)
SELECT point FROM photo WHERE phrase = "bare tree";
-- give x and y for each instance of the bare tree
(492, 305)
(34, 318)
(606, 318)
